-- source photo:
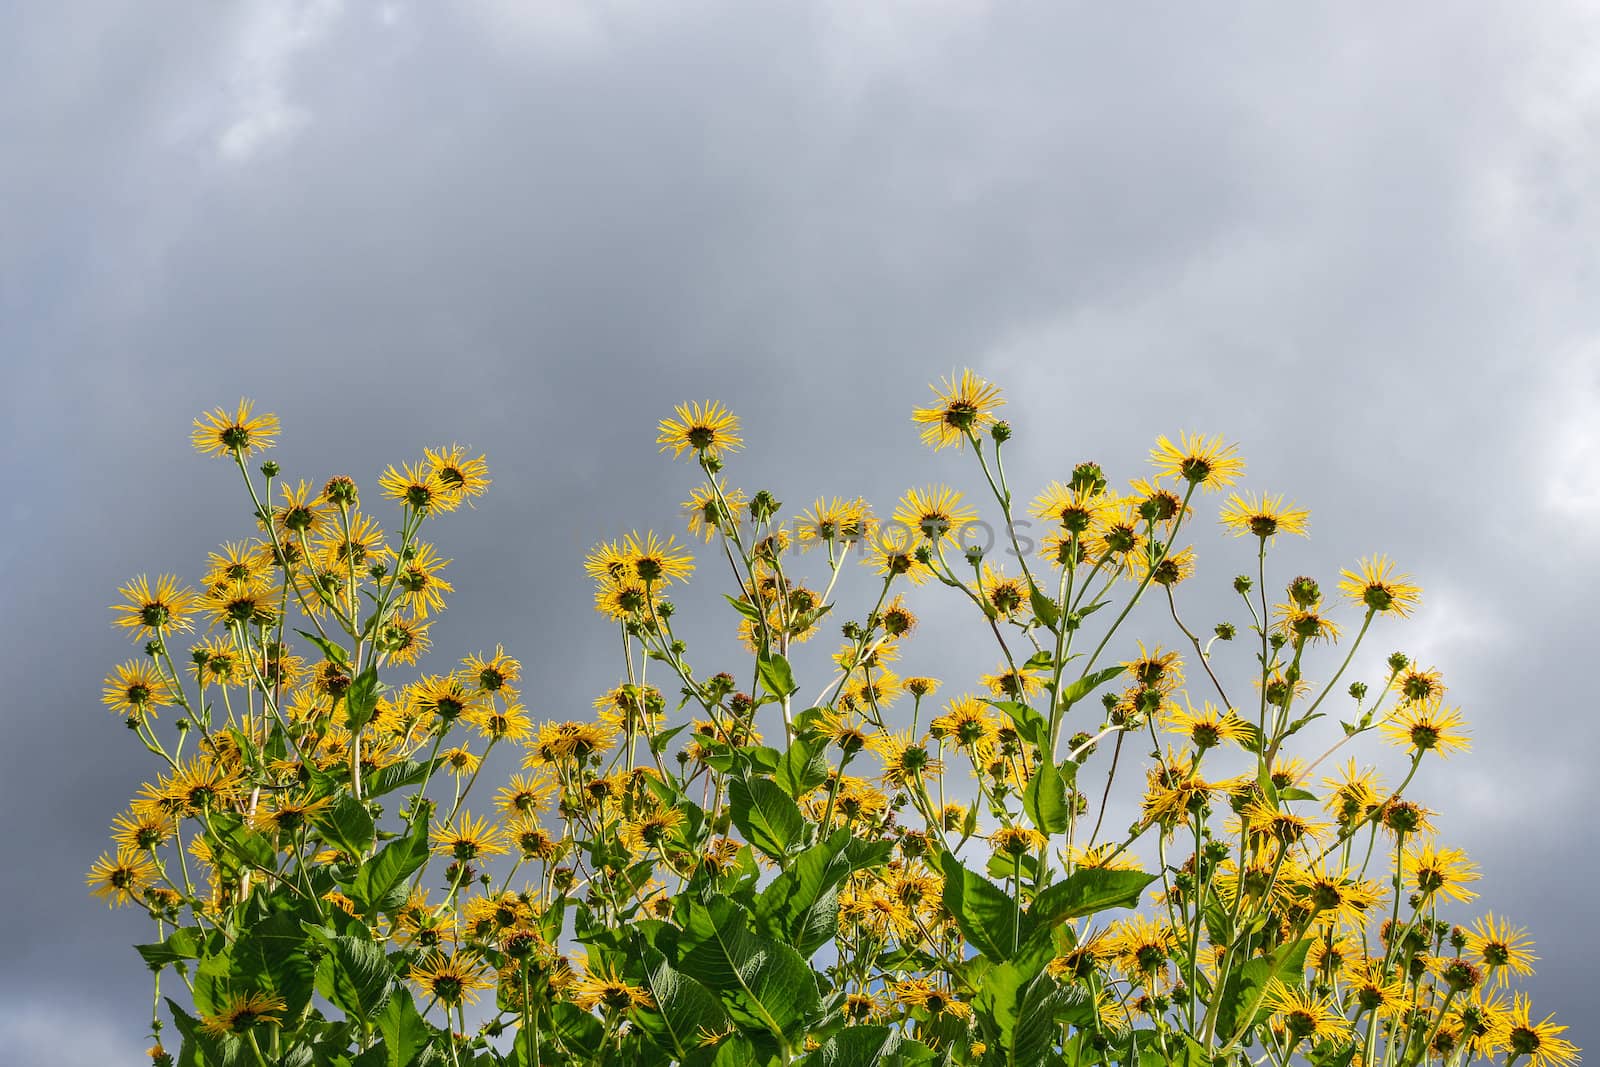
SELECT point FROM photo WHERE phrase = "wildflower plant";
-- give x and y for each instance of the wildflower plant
(760, 865)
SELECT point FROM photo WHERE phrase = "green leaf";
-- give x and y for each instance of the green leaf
(395, 776)
(1045, 800)
(1030, 724)
(239, 840)
(380, 883)
(347, 825)
(803, 767)
(743, 607)
(1044, 609)
(1040, 661)
(767, 816)
(332, 651)
(355, 975)
(776, 677)
(186, 943)
(763, 984)
(683, 1008)
(1088, 890)
(1088, 684)
(1245, 987)
(1295, 793)
(859, 1046)
(405, 1034)
(986, 915)
(797, 905)
(1023, 1010)
(271, 956)
(361, 699)
(659, 742)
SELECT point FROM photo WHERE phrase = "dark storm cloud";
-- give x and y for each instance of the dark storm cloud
(1357, 242)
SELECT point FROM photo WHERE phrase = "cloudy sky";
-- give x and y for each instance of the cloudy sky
(1360, 240)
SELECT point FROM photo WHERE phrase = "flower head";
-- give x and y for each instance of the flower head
(1379, 589)
(706, 430)
(965, 407)
(1199, 460)
(221, 432)
(1263, 516)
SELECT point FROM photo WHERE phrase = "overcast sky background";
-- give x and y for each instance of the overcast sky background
(1358, 239)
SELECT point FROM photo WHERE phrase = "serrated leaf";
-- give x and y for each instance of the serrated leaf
(1085, 891)
(185, 943)
(394, 776)
(743, 607)
(1031, 726)
(763, 984)
(380, 883)
(361, 699)
(767, 816)
(1244, 987)
(659, 742)
(405, 1033)
(683, 1007)
(347, 825)
(355, 975)
(329, 649)
(1044, 609)
(1088, 684)
(796, 905)
(803, 767)
(776, 676)
(987, 916)
(1045, 800)
(271, 956)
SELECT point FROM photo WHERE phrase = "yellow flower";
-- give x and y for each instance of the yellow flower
(1264, 516)
(1428, 727)
(136, 688)
(1199, 460)
(122, 880)
(893, 553)
(965, 408)
(1078, 508)
(1538, 1043)
(575, 741)
(707, 430)
(1379, 589)
(934, 513)
(417, 486)
(454, 979)
(707, 514)
(652, 560)
(1504, 949)
(1440, 872)
(922, 993)
(460, 476)
(1207, 728)
(1304, 1014)
(834, 521)
(149, 613)
(1015, 841)
(967, 722)
(243, 1011)
(421, 589)
(601, 987)
(238, 433)
(468, 839)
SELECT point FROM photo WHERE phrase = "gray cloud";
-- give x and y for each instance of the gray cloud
(1361, 245)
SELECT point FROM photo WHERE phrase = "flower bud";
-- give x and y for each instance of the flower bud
(1242, 584)
(1304, 592)
(1358, 690)
(1001, 432)
(1225, 631)
(1088, 475)
(1398, 661)
(270, 468)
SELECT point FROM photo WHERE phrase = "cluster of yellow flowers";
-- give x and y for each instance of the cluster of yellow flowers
(1275, 926)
